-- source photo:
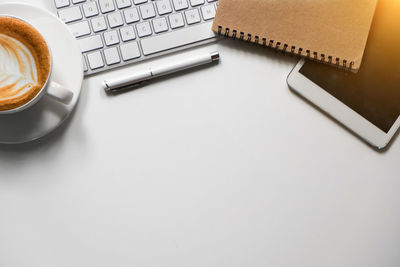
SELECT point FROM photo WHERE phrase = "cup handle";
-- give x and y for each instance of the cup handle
(59, 93)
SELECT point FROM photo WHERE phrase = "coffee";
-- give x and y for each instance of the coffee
(24, 63)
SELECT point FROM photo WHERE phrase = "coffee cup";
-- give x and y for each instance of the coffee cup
(25, 67)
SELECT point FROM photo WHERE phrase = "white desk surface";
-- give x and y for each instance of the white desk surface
(222, 166)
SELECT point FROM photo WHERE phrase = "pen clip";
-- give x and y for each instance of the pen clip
(123, 88)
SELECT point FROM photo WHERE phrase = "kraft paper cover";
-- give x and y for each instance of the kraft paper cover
(333, 31)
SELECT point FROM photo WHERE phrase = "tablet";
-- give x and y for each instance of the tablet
(367, 103)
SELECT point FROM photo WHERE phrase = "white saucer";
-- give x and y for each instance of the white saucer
(45, 116)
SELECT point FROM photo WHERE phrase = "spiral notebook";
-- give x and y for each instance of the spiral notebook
(330, 31)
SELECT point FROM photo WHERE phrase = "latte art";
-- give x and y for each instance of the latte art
(24, 63)
(18, 72)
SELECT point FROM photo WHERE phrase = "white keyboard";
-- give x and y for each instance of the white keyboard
(114, 33)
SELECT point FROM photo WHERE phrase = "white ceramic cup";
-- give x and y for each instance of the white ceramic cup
(50, 88)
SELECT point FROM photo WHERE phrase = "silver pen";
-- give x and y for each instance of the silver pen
(151, 73)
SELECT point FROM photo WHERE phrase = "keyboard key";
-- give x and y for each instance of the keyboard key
(208, 12)
(115, 19)
(160, 25)
(85, 67)
(106, 6)
(196, 2)
(111, 55)
(147, 11)
(90, 9)
(144, 29)
(176, 21)
(192, 16)
(131, 15)
(95, 60)
(78, 1)
(99, 24)
(70, 14)
(80, 29)
(61, 3)
(137, 2)
(90, 43)
(180, 4)
(123, 3)
(130, 51)
(163, 7)
(111, 38)
(127, 33)
(177, 38)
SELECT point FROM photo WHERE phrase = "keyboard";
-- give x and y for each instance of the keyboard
(115, 33)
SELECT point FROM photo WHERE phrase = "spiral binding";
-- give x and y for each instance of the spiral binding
(285, 48)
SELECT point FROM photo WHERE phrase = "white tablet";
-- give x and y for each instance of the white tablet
(368, 103)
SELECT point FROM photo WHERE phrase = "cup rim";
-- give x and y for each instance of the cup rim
(40, 94)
